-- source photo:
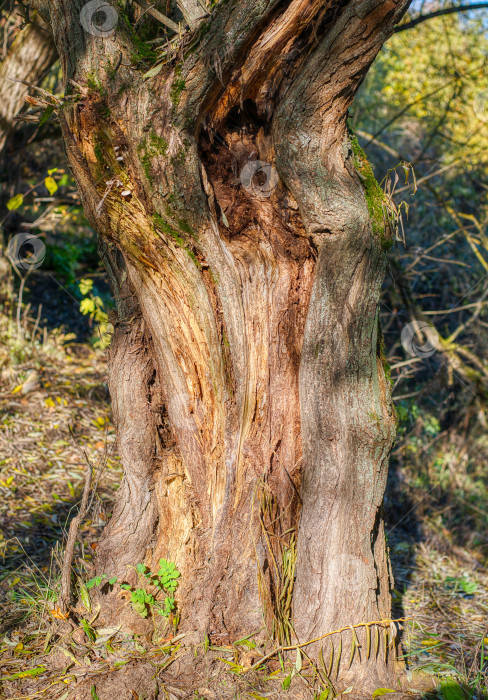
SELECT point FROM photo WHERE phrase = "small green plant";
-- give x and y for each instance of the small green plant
(98, 580)
(92, 305)
(142, 601)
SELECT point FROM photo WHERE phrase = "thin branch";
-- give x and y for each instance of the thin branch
(318, 639)
(70, 544)
(438, 13)
(159, 16)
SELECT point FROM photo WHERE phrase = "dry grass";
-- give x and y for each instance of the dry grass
(46, 434)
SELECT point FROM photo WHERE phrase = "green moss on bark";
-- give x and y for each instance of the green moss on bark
(166, 227)
(176, 89)
(375, 197)
(148, 149)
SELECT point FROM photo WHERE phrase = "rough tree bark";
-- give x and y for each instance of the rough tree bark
(253, 413)
(30, 57)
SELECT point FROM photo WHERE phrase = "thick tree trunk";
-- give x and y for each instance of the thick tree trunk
(30, 57)
(252, 410)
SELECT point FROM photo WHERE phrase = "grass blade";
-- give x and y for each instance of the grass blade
(338, 657)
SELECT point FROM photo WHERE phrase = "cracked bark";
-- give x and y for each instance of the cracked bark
(265, 418)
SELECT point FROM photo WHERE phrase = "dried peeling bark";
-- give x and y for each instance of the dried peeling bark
(251, 404)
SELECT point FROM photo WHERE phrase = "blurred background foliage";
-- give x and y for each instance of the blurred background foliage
(425, 101)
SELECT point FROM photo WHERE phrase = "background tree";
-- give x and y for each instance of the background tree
(28, 60)
(252, 409)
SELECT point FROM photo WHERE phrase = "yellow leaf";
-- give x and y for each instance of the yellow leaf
(49, 403)
(51, 185)
(17, 389)
(15, 202)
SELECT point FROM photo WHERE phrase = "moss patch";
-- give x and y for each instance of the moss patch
(148, 149)
(375, 197)
(176, 89)
(167, 228)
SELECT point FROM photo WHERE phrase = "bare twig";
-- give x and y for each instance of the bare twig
(158, 15)
(380, 623)
(70, 544)
(438, 13)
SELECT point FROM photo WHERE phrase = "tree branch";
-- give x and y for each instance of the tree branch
(158, 15)
(438, 13)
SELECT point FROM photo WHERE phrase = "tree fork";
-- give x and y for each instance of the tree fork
(263, 459)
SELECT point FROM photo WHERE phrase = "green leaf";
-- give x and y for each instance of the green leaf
(141, 568)
(324, 694)
(155, 70)
(95, 581)
(89, 631)
(85, 286)
(381, 691)
(469, 587)
(87, 306)
(450, 690)
(298, 662)
(51, 185)
(15, 202)
(286, 683)
(94, 693)
(112, 580)
(85, 597)
(31, 673)
(45, 116)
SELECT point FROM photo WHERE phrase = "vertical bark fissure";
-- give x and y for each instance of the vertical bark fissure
(136, 405)
(301, 424)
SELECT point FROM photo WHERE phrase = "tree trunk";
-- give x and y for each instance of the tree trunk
(30, 57)
(253, 414)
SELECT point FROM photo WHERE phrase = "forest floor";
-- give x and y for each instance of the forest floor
(55, 418)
